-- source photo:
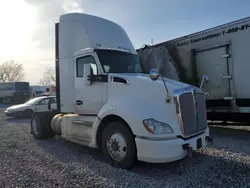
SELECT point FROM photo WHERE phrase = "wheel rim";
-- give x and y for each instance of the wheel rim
(35, 125)
(117, 146)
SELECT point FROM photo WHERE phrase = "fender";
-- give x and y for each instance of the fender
(136, 113)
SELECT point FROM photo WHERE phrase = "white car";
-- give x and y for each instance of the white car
(34, 105)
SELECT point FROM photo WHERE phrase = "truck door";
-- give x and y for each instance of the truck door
(214, 63)
(88, 98)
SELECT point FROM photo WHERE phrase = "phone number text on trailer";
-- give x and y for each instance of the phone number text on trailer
(218, 34)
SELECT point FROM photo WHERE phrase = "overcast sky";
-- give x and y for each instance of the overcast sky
(27, 26)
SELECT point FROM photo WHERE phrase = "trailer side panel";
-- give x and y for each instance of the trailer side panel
(222, 54)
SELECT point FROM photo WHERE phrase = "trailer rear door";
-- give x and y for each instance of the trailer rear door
(214, 63)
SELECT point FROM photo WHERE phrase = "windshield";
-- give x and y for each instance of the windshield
(34, 101)
(119, 62)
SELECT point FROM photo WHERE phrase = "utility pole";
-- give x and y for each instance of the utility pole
(151, 41)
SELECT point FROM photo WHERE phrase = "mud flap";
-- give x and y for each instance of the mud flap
(189, 150)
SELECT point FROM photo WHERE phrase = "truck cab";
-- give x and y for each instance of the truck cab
(105, 101)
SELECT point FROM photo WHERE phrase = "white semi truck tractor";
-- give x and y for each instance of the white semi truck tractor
(105, 101)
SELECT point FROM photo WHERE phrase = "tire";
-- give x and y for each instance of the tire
(27, 113)
(119, 132)
(40, 125)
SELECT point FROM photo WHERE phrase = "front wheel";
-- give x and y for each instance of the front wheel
(118, 145)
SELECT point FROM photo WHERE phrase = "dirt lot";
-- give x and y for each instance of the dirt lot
(25, 162)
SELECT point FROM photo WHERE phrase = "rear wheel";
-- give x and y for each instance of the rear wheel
(118, 145)
(40, 125)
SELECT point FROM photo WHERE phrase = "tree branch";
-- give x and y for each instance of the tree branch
(11, 71)
(49, 78)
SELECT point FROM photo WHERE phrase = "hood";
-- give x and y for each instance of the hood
(139, 78)
(137, 92)
(17, 107)
(145, 98)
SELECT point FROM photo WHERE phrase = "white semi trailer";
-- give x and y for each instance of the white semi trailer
(104, 101)
(221, 53)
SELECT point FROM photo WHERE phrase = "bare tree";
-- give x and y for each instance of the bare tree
(49, 77)
(11, 71)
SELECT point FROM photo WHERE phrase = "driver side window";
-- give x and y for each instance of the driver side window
(80, 65)
(53, 101)
(44, 102)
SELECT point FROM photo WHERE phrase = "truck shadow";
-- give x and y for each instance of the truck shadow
(61, 145)
(15, 120)
(223, 137)
(205, 168)
(230, 132)
(201, 169)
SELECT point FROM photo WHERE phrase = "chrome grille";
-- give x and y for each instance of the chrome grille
(188, 113)
(201, 111)
(191, 111)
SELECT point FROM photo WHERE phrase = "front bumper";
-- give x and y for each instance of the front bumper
(13, 114)
(161, 151)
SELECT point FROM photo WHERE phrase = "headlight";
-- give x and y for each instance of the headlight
(10, 110)
(156, 127)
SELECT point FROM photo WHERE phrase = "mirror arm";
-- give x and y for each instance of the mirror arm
(154, 75)
(204, 79)
(168, 99)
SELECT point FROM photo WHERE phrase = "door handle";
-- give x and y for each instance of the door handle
(78, 102)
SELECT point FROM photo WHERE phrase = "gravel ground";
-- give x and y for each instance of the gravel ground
(25, 162)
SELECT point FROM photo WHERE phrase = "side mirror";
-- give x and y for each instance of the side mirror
(154, 74)
(87, 74)
(204, 80)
